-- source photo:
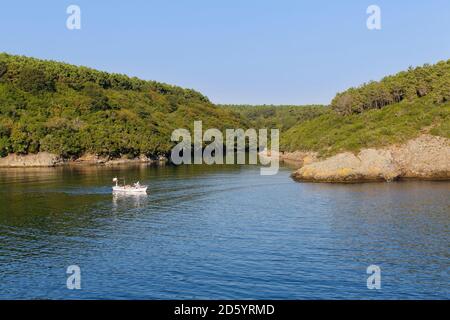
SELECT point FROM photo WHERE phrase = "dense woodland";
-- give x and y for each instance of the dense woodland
(282, 117)
(70, 110)
(429, 80)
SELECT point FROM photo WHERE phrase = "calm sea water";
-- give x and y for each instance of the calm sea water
(223, 232)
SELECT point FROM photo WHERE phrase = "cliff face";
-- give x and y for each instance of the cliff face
(426, 157)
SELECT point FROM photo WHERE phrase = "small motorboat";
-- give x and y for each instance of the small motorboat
(135, 188)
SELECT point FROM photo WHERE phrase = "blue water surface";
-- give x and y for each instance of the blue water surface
(219, 232)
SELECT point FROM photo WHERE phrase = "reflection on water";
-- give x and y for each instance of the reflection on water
(218, 232)
(128, 200)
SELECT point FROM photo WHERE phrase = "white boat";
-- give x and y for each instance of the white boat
(135, 188)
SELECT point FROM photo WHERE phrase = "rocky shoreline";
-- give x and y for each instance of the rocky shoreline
(45, 159)
(426, 158)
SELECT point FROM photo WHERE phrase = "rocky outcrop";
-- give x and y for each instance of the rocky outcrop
(95, 159)
(125, 160)
(427, 157)
(300, 157)
(369, 165)
(89, 158)
(42, 159)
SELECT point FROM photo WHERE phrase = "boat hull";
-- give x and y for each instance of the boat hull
(130, 190)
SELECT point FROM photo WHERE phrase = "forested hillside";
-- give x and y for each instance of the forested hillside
(71, 110)
(429, 80)
(395, 109)
(282, 117)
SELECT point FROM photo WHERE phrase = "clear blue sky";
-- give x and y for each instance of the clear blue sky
(235, 51)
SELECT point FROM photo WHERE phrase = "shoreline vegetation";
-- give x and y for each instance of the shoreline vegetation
(53, 113)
